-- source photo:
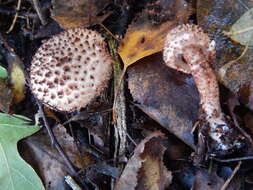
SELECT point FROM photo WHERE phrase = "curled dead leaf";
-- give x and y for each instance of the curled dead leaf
(145, 169)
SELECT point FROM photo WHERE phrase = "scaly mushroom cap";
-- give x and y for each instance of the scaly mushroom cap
(71, 69)
(179, 38)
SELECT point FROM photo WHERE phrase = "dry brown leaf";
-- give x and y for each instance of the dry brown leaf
(153, 175)
(144, 38)
(145, 169)
(206, 180)
(169, 97)
(45, 158)
(78, 13)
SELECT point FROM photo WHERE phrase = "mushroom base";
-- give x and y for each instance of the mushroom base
(222, 140)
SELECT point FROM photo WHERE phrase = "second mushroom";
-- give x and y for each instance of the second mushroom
(188, 49)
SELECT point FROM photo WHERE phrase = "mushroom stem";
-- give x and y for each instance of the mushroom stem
(207, 86)
(205, 80)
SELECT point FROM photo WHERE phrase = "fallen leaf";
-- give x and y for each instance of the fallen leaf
(15, 173)
(206, 180)
(242, 29)
(3, 72)
(50, 165)
(17, 77)
(160, 11)
(153, 175)
(144, 38)
(78, 13)
(142, 41)
(145, 169)
(167, 96)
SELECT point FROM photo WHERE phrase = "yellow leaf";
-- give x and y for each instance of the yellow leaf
(146, 35)
(141, 41)
(17, 79)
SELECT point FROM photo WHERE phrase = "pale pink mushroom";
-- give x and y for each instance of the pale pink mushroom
(70, 69)
(188, 49)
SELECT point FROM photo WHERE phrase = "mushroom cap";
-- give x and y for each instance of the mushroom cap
(70, 69)
(181, 37)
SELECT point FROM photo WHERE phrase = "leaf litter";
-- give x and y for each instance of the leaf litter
(105, 154)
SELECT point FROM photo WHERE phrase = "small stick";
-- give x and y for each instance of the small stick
(225, 185)
(15, 17)
(237, 124)
(234, 159)
(110, 33)
(71, 182)
(37, 7)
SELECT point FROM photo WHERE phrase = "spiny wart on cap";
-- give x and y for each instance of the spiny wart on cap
(188, 49)
(70, 69)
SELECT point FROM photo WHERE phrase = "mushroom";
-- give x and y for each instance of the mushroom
(70, 69)
(188, 49)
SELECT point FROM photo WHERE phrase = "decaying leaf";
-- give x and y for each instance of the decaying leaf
(207, 181)
(17, 77)
(49, 164)
(144, 38)
(78, 13)
(160, 11)
(242, 29)
(145, 169)
(167, 96)
(15, 174)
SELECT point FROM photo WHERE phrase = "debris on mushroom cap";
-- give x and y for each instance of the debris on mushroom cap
(71, 69)
(179, 38)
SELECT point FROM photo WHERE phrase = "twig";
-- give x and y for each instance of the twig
(232, 103)
(244, 5)
(225, 185)
(15, 17)
(37, 7)
(110, 33)
(71, 182)
(234, 159)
